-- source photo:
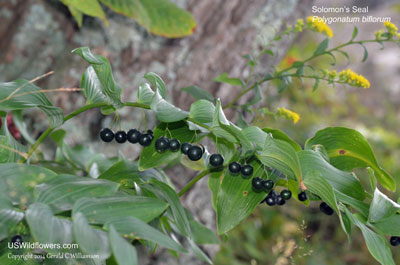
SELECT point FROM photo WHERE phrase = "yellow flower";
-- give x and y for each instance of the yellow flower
(317, 24)
(288, 114)
(332, 74)
(299, 25)
(392, 29)
(353, 79)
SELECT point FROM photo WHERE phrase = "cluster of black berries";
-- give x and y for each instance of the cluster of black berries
(274, 198)
(133, 136)
(235, 168)
(194, 152)
(163, 144)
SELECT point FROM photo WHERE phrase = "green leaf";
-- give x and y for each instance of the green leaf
(164, 191)
(123, 252)
(321, 47)
(103, 72)
(9, 217)
(123, 172)
(282, 156)
(381, 207)
(235, 198)
(156, 81)
(223, 78)
(92, 88)
(160, 17)
(372, 178)
(17, 181)
(91, 241)
(88, 7)
(136, 228)
(78, 15)
(389, 226)
(256, 136)
(165, 111)
(201, 234)
(199, 253)
(202, 111)
(320, 149)
(360, 206)
(376, 244)
(318, 185)
(62, 192)
(7, 139)
(365, 56)
(278, 134)
(214, 183)
(145, 94)
(348, 149)
(150, 158)
(199, 93)
(101, 210)
(354, 34)
(55, 230)
(22, 94)
(345, 182)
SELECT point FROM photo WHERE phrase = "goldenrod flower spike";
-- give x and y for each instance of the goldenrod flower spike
(317, 24)
(392, 29)
(288, 114)
(353, 79)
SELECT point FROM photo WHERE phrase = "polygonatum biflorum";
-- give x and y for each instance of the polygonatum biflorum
(107, 205)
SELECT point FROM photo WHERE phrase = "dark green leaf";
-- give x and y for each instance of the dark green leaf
(342, 181)
(123, 252)
(160, 17)
(354, 34)
(165, 111)
(223, 78)
(164, 191)
(62, 192)
(102, 70)
(145, 94)
(321, 47)
(150, 158)
(202, 111)
(157, 83)
(55, 230)
(101, 210)
(199, 253)
(199, 93)
(91, 241)
(348, 149)
(9, 217)
(389, 226)
(365, 56)
(377, 244)
(123, 172)
(278, 134)
(136, 228)
(381, 207)
(22, 94)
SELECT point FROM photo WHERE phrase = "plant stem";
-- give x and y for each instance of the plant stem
(193, 181)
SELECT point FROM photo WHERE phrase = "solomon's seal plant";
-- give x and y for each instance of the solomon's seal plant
(109, 205)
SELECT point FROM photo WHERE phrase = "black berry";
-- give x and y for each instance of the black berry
(395, 241)
(272, 193)
(133, 136)
(162, 144)
(270, 201)
(247, 170)
(302, 196)
(185, 148)
(106, 135)
(325, 208)
(286, 194)
(145, 139)
(195, 153)
(120, 137)
(267, 184)
(234, 167)
(280, 200)
(150, 132)
(257, 184)
(174, 145)
(17, 239)
(216, 160)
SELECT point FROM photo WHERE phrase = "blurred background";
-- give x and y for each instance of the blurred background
(37, 36)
